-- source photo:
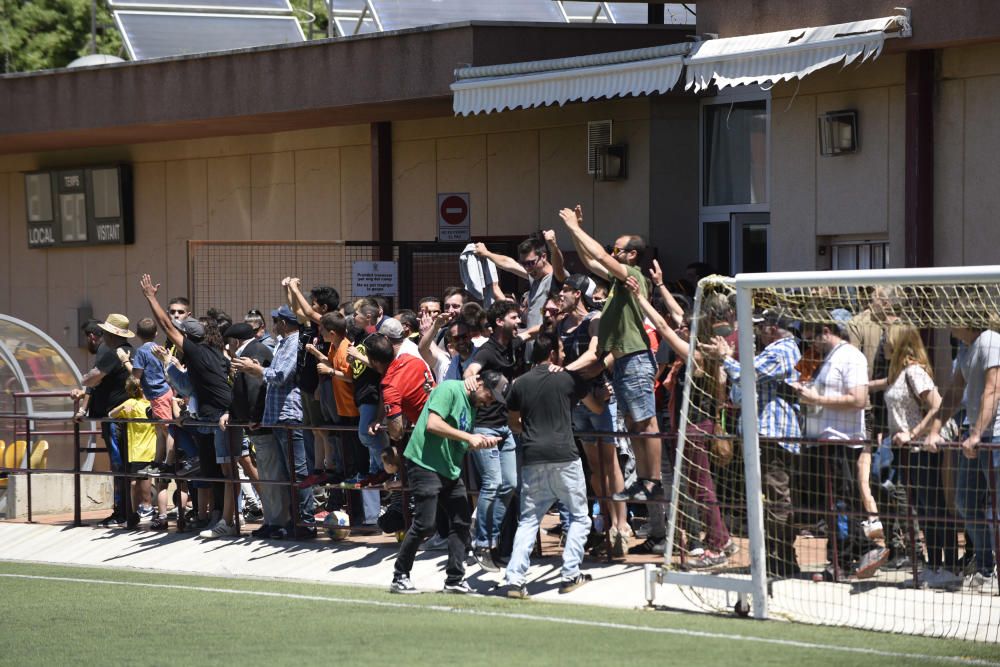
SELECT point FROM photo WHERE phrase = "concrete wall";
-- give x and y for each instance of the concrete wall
(967, 141)
(814, 197)
(519, 168)
(858, 194)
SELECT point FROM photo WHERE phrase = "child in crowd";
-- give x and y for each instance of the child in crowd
(141, 440)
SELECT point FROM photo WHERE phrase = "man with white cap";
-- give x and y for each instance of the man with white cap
(106, 380)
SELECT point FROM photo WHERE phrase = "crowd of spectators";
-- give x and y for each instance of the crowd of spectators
(243, 412)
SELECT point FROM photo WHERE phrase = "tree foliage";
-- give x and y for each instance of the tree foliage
(45, 34)
(48, 34)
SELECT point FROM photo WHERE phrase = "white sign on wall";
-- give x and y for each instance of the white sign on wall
(374, 279)
(454, 216)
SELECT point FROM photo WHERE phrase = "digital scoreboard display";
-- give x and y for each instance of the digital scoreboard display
(80, 207)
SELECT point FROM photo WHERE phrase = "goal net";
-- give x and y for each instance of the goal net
(819, 472)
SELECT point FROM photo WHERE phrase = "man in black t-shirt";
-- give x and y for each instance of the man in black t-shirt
(540, 407)
(497, 466)
(106, 381)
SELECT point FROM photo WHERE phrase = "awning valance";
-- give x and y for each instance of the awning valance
(768, 58)
(763, 59)
(540, 83)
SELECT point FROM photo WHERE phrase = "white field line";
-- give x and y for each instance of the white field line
(525, 617)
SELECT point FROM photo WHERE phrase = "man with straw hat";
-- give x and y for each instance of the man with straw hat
(105, 383)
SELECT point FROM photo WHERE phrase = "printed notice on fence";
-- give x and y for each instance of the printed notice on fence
(375, 279)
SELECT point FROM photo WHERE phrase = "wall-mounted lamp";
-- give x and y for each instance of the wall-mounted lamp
(612, 162)
(838, 132)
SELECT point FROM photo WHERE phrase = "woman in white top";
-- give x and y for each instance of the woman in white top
(912, 402)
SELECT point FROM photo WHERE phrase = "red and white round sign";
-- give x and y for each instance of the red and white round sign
(454, 210)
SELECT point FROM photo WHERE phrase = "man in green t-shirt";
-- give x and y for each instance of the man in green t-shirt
(622, 335)
(433, 460)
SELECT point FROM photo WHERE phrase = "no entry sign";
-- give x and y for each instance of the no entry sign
(454, 220)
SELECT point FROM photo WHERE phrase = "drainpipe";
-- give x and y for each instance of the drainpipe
(919, 191)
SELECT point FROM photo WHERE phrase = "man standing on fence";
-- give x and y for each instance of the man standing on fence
(433, 459)
(778, 427)
(622, 333)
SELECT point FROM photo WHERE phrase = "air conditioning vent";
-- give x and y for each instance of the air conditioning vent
(598, 135)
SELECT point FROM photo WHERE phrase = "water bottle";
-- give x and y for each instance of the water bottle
(598, 519)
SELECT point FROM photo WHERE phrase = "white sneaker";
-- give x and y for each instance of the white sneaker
(873, 529)
(221, 529)
(974, 582)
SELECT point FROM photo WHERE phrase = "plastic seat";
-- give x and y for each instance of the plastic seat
(40, 455)
(13, 455)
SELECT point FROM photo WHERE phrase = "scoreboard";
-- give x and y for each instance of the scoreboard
(82, 206)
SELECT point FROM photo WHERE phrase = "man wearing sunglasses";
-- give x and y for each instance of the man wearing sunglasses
(621, 333)
(534, 266)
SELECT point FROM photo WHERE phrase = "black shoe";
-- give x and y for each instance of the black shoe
(158, 523)
(262, 533)
(253, 514)
(113, 521)
(638, 492)
(555, 530)
(650, 547)
(484, 557)
(133, 521)
(570, 585)
(188, 467)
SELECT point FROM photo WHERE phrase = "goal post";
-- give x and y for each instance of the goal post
(847, 524)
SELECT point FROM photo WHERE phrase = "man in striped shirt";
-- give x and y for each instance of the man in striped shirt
(778, 425)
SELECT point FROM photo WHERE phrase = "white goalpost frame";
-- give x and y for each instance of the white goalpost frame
(745, 283)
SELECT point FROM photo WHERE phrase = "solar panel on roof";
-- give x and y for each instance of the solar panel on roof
(164, 34)
(182, 5)
(400, 14)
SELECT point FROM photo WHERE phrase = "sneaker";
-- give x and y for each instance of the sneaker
(263, 532)
(401, 584)
(873, 529)
(695, 548)
(485, 559)
(650, 547)
(707, 561)
(639, 493)
(146, 514)
(555, 530)
(167, 470)
(158, 523)
(133, 521)
(869, 564)
(974, 582)
(253, 513)
(731, 548)
(188, 467)
(277, 533)
(458, 588)
(619, 543)
(570, 585)
(220, 529)
(113, 521)
(305, 533)
(515, 591)
(436, 543)
(152, 470)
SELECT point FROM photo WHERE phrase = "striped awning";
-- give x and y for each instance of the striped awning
(544, 82)
(768, 58)
(763, 59)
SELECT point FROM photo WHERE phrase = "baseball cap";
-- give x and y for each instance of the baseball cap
(776, 318)
(240, 331)
(392, 329)
(284, 313)
(193, 329)
(497, 384)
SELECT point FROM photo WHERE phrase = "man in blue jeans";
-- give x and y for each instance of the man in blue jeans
(540, 406)
(282, 407)
(497, 466)
(977, 372)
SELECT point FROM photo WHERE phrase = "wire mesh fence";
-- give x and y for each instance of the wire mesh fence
(874, 410)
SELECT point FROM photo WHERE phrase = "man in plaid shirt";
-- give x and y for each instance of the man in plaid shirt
(778, 425)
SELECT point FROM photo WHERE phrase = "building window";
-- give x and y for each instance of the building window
(734, 153)
(867, 254)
